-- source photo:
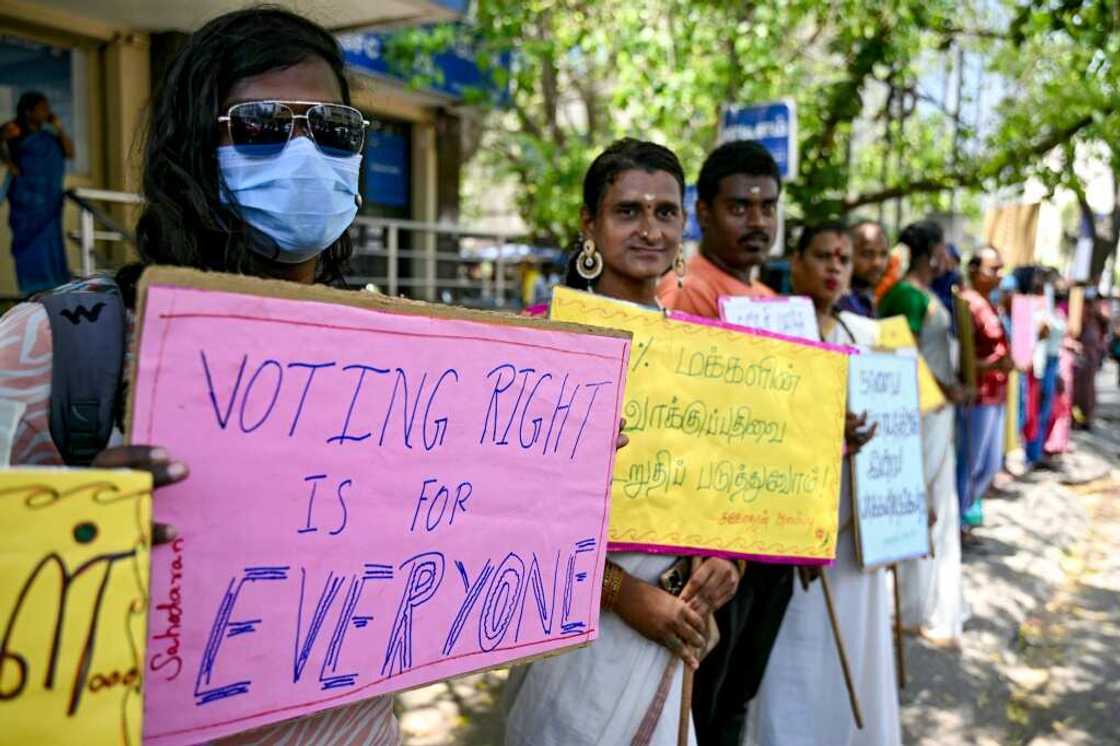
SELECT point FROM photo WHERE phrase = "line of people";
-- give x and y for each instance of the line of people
(766, 670)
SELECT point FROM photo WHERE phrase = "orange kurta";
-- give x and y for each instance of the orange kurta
(704, 283)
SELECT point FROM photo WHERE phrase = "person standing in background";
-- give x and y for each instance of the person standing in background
(980, 447)
(35, 153)
(931, 587)
(800, 701)
(870, 256)
(950, 277)
(737, 209)
(1094, 345)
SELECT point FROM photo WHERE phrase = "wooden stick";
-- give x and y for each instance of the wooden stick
(899, 650)
(686, 705)
(803, 574)
(841, 651)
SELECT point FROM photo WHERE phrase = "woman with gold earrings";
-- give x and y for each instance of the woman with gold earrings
(623, 688)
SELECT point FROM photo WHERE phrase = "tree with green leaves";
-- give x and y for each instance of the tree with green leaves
(584, 73)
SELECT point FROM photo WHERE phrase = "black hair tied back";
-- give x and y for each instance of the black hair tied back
(627, 154)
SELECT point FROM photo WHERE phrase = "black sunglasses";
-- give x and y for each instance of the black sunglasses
(263, 128)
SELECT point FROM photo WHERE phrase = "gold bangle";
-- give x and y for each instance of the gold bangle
(612, 584)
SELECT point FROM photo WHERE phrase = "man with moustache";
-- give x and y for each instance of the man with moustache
(870, 255)
(737, 208)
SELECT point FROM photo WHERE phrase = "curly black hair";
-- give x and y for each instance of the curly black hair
(184, 222)
(627, 154)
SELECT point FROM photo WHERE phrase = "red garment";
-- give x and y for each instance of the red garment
(991, 345)
(1033, 407)
(1057, 438)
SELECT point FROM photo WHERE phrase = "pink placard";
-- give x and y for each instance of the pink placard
(1024, 327)
(376, 501)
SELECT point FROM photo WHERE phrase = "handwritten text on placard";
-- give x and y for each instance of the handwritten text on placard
(377, 499)
(890, 494)
(73, 602)
(736, 436)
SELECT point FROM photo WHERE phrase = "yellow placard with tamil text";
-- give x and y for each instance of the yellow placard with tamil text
(73, 604)
(735, 437)
(895, 334)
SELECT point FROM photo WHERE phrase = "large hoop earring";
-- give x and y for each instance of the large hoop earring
(680, 268)
(589, 265)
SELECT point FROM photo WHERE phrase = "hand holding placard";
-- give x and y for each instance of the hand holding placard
(736, 436)
(382, 494)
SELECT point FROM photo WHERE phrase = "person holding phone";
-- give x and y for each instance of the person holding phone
(35, 150)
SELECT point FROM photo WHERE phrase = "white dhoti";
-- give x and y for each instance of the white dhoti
(931, 587)
(601, 693)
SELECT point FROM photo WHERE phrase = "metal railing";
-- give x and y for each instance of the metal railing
(444, 262)
(439, 262)
(94, 224)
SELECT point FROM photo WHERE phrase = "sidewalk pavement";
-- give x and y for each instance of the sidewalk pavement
(1040, 658)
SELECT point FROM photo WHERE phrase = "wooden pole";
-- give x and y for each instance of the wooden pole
(899, 651)
(841, 651)
(686, 705)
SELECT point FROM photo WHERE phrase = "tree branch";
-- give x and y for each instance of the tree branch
(970, 178)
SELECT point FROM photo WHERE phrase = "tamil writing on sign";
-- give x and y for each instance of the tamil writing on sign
(895, 334)
(73, 604)
(377, 498)
(793, 316)
(735, 437)
(890, 495)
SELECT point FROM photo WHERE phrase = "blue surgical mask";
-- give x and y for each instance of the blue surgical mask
(301, 198)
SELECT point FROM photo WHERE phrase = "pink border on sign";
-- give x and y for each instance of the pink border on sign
(769, 559)
(681, 316)
(539, 310)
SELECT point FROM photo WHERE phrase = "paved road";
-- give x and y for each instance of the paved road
(1040, 658)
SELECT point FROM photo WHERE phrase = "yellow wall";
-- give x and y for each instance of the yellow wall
(118, 80)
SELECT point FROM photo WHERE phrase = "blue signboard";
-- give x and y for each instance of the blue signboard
(692, 230)
(773, 125)
(451, 73)
(386, 169)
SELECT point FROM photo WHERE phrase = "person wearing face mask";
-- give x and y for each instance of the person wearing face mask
(870, 255)
(801, 699)
(931, 587)
(625, 687)
(737, 208)
(250, 167)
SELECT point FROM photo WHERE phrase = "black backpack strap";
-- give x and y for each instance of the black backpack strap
(88, 330)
